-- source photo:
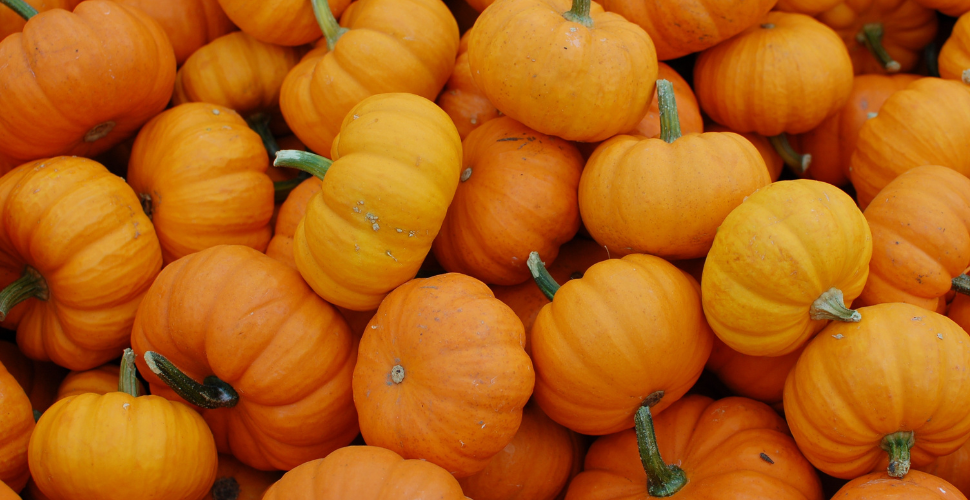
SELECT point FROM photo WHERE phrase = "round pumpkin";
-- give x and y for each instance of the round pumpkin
(274, 359)
(688, 111)
(461, 98)
(11, 22)
(237, 481)
(37, 378)
(290, 215)
(79, 83)
(954, 58)
(915, 486)
(581, 74)
(100, 380)
(952, 468)
(189, 24)
(854, 406)
(6, 493)
(792, 256)
(16, 426)
(760, 378)
(74, 303)
(287, 22)
(768, 153)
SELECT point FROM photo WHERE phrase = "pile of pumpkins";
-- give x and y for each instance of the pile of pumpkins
(342, 251)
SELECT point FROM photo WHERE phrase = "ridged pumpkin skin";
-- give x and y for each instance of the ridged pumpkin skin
(396, 166)
(808, 7)
(953, 468)
(406, 46)
(920, 225)
(365, 473)
(288, 218)
(100, 256)
(953, 8)
(443, 343)
(237, 481)
(850, 389)
(596, 362)
(62, 78)
(37, 378)
(16, 426)
(558, 76)
(255, 324)
(462, 99)
(201, 174)
(954, 61)
(516, 195)
(287, 22)
(236, 71)
(757, 377)
(774, 256)
(647, 196)
(768, 153)
(832, 143)
(720, 445)
(688, 110)
(100, 380)
(678, 29)
(785, 73)
(189, 24)
(11, 23)
(142, 447)
(915, 486)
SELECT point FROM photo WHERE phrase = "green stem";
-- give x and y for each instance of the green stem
(579, 13)
(281, 189)
(931, 53)
(831, 305)
(310, 163)
(898, 445)
(669, 121)
(662, 480)
(541, 276)
(798, 162)
(961, 284)
(37, 415)
(328, 24)
(211, 393)
(30, 284)
(259, 122)
(871, 37)
(127, 377)
(21, 8)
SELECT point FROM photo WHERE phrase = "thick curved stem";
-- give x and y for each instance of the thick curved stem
(259, 122)
(21, 8)
(30, 284)
(669, 121)
(961, 284)
(328, 24)
(798, 162)
(128, 377)
(579, 13)
(211, 393)
(662, 480)
(871, 37)
(831, 305)
(898, 445)
(310, 163)
(541, 276)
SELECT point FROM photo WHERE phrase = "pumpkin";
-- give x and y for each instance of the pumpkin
(396, 166)
(959, 311)
(581, 73)
(680, 29)
(915, 486)
(538, 463)
(688, 111)
(365, 473)
(785, 73)
(189, 24)
(461, 99)
(237, 481)
(920, 226)
(953, 8)
(819, 246)
(288, 22)
(6, 493)
(100, 380)
(832, 143)
(954, 58)
(644, 195)
(922, 124)
(768, 153)
(446, 343)
(73, 303)
(387, 46)
(731, 448)
(951, 468)
(12, 22)
(141, 443)
(290, 215)
(200, 173)
(274, 360)
(760, 378)
(595, 362)
(809, 7)
(38, 379)
(852, 372)
(79, 83)
(489, 232)
(16, 426)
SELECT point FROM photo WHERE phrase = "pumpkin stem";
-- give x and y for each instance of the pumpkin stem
(669, 121)
(798, 162)
(961, 284)
(37, 415)
(259, 123)
(898, 445)
(21, 8)
(30, 284)
(328, 23)
(831, 305)
(225, 488)
(127, 377)
(541, 276)
(211, 393)
(310, 163)
(871, 37)
(662, 480)
(931, 54)
(579, 13)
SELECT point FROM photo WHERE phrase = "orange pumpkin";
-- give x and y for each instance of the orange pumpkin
(757, 377)
(461, 98)
(65, 75)
(915, 486)
(287, 22)
(952, 468)
(38, 379)
(6, 493)
(768, 153)
(853, 410)
(959, 311)
(954, 58)
(11, 22)
(100, 380)
(688, 111)
(489, 232)
(289, 217)
(275, 359)
(16, 426)
(953, 8)
(75, 302)
(581, 74)
(201, 175)
(923, 124)
(809, 7)
(237, 481)
(189, 24)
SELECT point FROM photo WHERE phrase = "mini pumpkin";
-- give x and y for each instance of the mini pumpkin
(38, 379)
(954, 58)
(760, 378)
(189, 24)
(237, 481)
(915, 486)
(100, 380)
(688, 111)
(771, 157)
(290, 215)
(11, 22)
(809, 7)
(461, 98)
(16, 426)
(288, 22)
(953, 8)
